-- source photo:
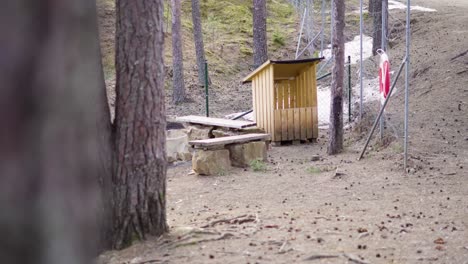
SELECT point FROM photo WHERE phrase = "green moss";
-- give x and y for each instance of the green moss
(278, 38)
(258, 166)
(246, 50)
(313, 170)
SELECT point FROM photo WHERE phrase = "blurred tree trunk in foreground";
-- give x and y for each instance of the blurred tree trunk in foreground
(49, 159)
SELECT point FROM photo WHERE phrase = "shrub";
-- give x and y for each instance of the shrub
(258, 165)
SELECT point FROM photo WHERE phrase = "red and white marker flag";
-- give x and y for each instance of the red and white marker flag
(384, 76)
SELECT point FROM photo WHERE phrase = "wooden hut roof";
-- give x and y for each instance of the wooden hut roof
(283, 69)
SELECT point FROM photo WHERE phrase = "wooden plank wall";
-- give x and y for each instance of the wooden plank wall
(295, 107)
(294, 124)
(263, 99)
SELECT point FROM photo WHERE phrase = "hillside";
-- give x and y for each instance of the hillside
(227, 29)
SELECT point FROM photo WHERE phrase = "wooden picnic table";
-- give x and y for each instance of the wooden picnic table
(218, 122)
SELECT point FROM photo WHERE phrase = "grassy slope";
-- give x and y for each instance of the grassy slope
(227, 28)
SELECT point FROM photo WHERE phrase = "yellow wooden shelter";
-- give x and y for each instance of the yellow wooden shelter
(285, 99)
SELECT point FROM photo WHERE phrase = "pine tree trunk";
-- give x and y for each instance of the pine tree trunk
(335, 144)
(140, 176)
(49, 158)
(178, 95)
(385, 3)
(371, 7)
(198, 39)
(259, 32)
(377, 26)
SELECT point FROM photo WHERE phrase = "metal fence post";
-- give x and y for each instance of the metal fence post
(361, 28)
(349, 89)
(206, 89)
(407, 73)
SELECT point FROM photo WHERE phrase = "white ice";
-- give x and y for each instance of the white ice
(392, 4)
(352, 48)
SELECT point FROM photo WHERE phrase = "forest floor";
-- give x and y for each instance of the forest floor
(309, 207)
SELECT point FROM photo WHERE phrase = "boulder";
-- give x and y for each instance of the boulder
(176, 144)
(243, 154)
(184, 156)
(195, 132)
(222, 133)
(211, 162)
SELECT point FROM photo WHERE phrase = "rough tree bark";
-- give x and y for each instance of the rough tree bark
(377, 26)
(178, 95)
(49, 158)
(335, 144)
(385, 4)
(140, 176)
(371, 7)
(260, 47)
(198, 39)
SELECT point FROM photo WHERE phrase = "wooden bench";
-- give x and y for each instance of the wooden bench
(212, 143)
(216, 155)
(215, 122)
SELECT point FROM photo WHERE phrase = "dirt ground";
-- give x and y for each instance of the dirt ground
(313, 208)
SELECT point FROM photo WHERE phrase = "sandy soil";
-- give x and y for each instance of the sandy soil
(371, 211)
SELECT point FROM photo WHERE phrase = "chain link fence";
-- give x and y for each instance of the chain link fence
(317, 17)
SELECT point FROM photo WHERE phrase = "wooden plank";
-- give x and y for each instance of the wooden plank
(298, 84)
(271, 96)
(313, 88)
(297, 124)
(305, 87)
(278, 122)
(309, 126)
(269, 108)
(228, 140)
(314, 122)
(253, 74)
(262, 106)
(284, 124)
(264, 100)
(212, 121)
(275, 95)
(280, 94)
(266, 89)
(302, 112)
(256, 95)
(290, 124)
(293, 94)
(254, 101)
(304, 91)
(286, 94)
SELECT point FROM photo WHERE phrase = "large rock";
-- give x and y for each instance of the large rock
(196, 132)
(243, 154)
(176, 145)
(217, 133)
(211, 162)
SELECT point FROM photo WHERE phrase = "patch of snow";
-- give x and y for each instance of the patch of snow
(392, 4)
(352, 48)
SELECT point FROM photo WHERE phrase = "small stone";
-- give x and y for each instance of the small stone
(315, 158)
